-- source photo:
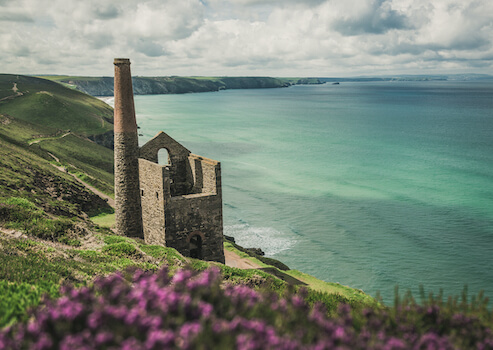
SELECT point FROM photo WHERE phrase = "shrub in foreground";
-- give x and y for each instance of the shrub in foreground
(193, 311)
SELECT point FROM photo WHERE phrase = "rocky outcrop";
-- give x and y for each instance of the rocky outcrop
(107, 139)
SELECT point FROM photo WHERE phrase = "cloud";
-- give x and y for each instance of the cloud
(106, 11)
(374, 17)
(14, 16)
(246, 37)
(148, 47)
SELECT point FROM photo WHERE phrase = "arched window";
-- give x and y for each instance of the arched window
(163, 157)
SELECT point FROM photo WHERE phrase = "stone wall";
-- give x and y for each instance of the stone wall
(154, 191)
(206, 174)
(185, 215)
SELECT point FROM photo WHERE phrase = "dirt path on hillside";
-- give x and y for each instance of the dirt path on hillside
(16, 93)
(234, 260)
(48, 138)
(110, 200)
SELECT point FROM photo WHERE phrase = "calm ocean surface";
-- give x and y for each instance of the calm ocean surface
(368, 184)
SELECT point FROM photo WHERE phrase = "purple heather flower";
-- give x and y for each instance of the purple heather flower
(395, 344)
(190, 329)
(204, 279)
(339, 332)
(95, 320)
(298, 301)
(131, 344)
(159, 339)
(132, 316)
(73, 341)
(103, 338)
(33, 328)
(181, 276)
(44, 342)
(246, 342)
(205, 309)
(431, 341)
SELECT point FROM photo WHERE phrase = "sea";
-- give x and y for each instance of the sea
(369, 184)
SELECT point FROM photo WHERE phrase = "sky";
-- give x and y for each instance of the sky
(281, 38)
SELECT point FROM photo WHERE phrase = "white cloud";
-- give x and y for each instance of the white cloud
(246, 37)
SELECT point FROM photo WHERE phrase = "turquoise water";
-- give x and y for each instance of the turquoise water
(368, 184)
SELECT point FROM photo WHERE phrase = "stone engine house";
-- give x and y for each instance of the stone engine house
(177, 204)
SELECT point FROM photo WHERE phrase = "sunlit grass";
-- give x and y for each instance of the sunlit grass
(104, 220)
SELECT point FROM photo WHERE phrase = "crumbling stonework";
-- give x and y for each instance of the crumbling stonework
(179, 204)
(184, 198)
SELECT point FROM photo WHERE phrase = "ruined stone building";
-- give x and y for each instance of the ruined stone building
(177, 204)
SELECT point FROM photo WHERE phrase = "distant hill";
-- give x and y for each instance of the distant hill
(52, 106)
(408, 77)
(48, 121)
(103, 86)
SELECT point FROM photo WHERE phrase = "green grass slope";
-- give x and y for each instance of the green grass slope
(53, 106)
(53, 122)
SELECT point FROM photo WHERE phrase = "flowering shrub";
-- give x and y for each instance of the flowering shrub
(194, 311)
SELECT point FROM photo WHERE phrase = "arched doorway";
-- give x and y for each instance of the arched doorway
(163, 157)
(195, 246)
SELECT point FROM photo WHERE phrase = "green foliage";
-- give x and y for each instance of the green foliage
(121, 249)
(18, 297)
(32, 267)
(168, 255)
(112, 239)
(330, 300)
(475, 307)
(21, 214)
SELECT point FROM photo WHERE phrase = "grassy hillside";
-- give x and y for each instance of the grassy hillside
(46, 103)
(55, 123)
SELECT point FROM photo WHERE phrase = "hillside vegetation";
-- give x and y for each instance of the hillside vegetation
(68, 282)
(47, 120)
(53, 106)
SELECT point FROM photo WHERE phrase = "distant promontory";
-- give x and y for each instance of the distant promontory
(103, 86)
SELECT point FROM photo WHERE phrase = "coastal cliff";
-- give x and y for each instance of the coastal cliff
(103, 86)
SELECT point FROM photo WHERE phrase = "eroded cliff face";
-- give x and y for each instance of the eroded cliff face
(175, 85)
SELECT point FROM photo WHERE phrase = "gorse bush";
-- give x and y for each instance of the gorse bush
(193, 311)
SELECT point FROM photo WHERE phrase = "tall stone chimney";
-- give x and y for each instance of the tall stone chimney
(127, 188)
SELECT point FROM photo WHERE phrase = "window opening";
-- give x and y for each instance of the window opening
(196, 247)
(163, 157)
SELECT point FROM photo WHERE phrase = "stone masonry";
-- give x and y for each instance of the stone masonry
(179, 205)
(128, 209)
